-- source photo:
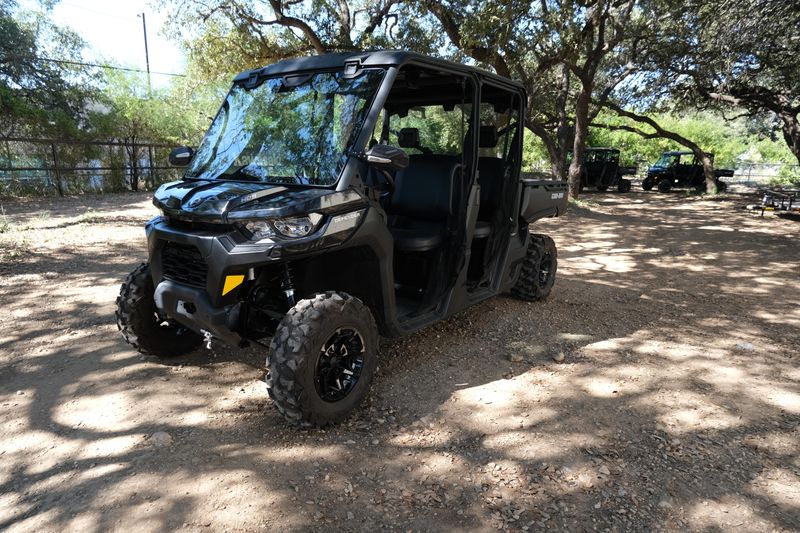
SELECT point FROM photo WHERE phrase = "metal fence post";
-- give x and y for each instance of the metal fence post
(151, 173)
(56, 170)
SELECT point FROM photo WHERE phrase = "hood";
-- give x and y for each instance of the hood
(217, 201)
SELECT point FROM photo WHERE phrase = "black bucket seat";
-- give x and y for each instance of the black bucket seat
(422, 202)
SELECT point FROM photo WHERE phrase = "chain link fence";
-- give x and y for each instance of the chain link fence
(757, 175)
(39, 167)
(746, 173)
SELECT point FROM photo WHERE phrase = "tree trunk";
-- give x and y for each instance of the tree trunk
(549, 144)
(564, 131)
(558, 142)
(132, 150)
(791, 133)
(57, 170)
(708, 169)
(558, 161)
(581, 133)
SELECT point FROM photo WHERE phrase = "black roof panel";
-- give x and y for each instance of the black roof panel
(382, 58)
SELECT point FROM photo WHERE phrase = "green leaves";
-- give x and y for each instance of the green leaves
(37, 95)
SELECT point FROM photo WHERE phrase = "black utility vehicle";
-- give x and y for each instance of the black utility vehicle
(336, 198)
(601, 170)
(682, 169)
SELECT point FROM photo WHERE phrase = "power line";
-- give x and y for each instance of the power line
(96, 65)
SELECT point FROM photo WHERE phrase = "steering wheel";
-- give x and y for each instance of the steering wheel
(388, 178)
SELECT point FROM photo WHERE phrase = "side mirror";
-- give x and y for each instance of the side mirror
(383, 156)
(180, 156)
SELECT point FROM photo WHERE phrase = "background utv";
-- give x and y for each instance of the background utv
(333, 199)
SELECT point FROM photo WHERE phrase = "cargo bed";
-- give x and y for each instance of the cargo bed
(542, 198)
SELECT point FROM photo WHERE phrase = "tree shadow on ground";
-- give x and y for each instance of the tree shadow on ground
(678, 405)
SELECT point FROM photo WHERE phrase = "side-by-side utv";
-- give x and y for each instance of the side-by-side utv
(601, 170)
(682, 170)
(335, 199)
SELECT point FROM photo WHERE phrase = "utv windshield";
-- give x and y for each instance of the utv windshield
(667, 160)
(291, 130)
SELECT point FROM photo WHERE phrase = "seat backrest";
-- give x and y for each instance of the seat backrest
(487, 137)
(424, 189)
(408, 138)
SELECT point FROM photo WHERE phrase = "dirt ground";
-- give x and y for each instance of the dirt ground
(677, 406)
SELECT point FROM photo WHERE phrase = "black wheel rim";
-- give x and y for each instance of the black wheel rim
(339, 365)
(545, 270)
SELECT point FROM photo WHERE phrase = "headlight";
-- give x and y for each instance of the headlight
(294, 227)
(290, 227)
(260, 229)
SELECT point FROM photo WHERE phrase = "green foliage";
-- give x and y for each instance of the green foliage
(740, 57)
(788, 175)
(767, 149)
(729, 141)
(224, 37)
(39, 96)
(135, 113)
(440, 131)
(679, 51)
(534, 154)
(131, 113)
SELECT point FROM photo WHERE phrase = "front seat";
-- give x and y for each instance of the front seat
(422, 202)
(409, 138)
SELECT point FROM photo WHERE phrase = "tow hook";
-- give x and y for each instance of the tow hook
(207, 339)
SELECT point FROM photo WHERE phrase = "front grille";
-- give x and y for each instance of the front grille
(184, 264)
(194, 225)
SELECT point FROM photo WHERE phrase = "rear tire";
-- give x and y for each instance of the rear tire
(140, 325)
(322, 359)
(647, 184)
(664, 186)
(602, 188)
(624, 185)
(538, 269)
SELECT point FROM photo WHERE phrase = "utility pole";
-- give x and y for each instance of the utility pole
(146, 53)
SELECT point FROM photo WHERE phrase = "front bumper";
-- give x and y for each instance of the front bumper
(190, 267)
(214, 254)
(192, 308)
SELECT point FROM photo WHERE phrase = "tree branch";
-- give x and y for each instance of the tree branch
(293, 22)
(377, 18)
(700, 154)
(452, 28)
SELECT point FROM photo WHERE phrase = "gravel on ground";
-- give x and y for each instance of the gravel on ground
(658, 388)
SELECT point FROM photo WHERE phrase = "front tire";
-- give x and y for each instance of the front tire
(647, 184)
(664, 185)
(624, 185)
(140, 324)
(322, 359)
(538, 269)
